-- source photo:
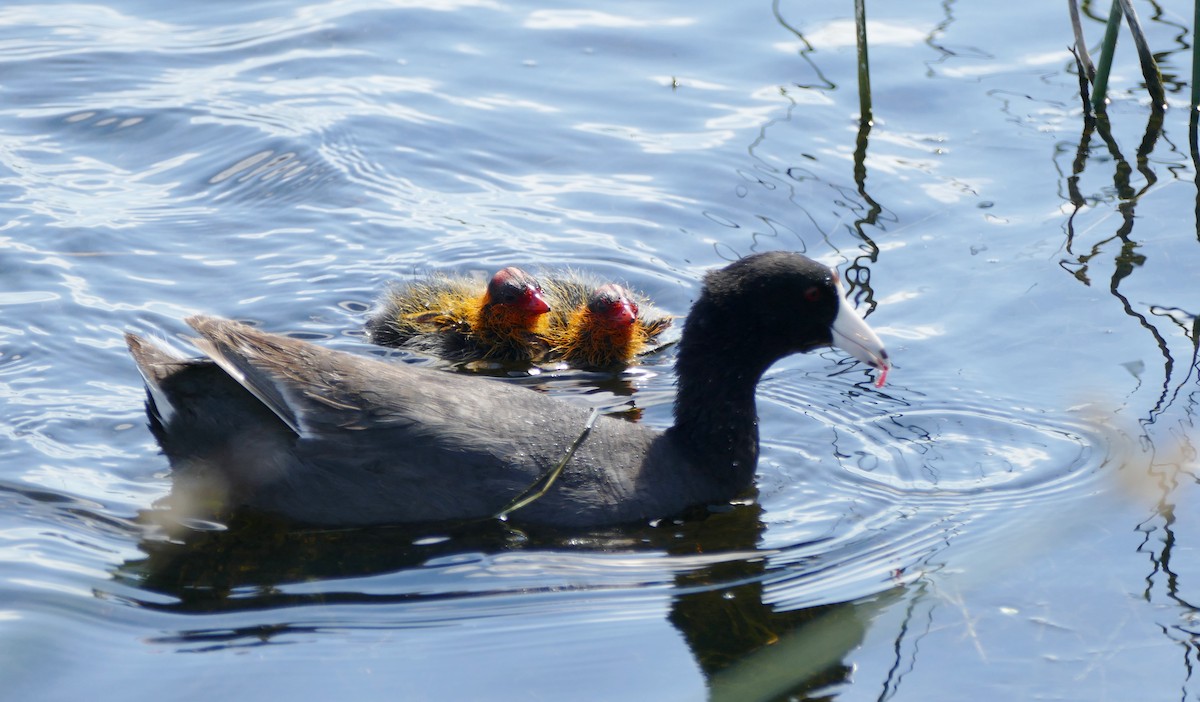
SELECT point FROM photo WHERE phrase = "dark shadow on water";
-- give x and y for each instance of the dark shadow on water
(1194, 150)
(747, 648)
(822, 83)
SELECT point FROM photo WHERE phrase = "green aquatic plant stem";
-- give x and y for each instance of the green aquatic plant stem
(865, 117)
(1194, 116)
(545, 481)
(1100, 86)
(1088, 69)
(1195, 60)
(1158, 96)
(864, 66)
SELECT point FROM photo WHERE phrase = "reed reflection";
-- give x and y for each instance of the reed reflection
(1164, 426)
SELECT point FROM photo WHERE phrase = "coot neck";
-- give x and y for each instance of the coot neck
(716, 420)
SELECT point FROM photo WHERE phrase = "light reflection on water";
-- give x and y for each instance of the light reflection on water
(281, 164)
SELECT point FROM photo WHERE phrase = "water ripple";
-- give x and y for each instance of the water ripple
(909, 479)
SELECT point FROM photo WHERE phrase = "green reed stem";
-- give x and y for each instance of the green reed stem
(1195, 59)
(1107, 49)
(546, 480)
(864, 66)
(1154, 85)
(1087, 68)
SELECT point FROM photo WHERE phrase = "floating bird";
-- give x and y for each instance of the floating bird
(319, 436)
(447, 317)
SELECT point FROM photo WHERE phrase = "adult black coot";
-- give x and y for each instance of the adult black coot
(326, 437)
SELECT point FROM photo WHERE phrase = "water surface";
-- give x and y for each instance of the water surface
(1009, 517)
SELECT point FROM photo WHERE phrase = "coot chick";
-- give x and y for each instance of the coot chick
(327, 437)
(448, 317)
(604, 331)
(597, 325)
(588, 324)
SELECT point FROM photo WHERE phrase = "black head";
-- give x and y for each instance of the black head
(777, 299)
(517, 289)
(763, 307)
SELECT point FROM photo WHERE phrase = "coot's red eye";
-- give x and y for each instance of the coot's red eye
(813, 294)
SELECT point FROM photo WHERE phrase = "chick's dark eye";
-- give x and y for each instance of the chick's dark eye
(813, 294)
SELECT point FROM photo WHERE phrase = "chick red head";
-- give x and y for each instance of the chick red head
(515, 288)
(614, 305)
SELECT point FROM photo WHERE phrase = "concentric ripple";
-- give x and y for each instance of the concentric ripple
(946, 451)
(908, 481)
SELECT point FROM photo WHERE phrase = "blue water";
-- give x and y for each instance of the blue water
(1010, 517)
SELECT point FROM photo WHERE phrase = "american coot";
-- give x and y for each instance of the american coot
(603, 327)
(327, 437)
(447, 317)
